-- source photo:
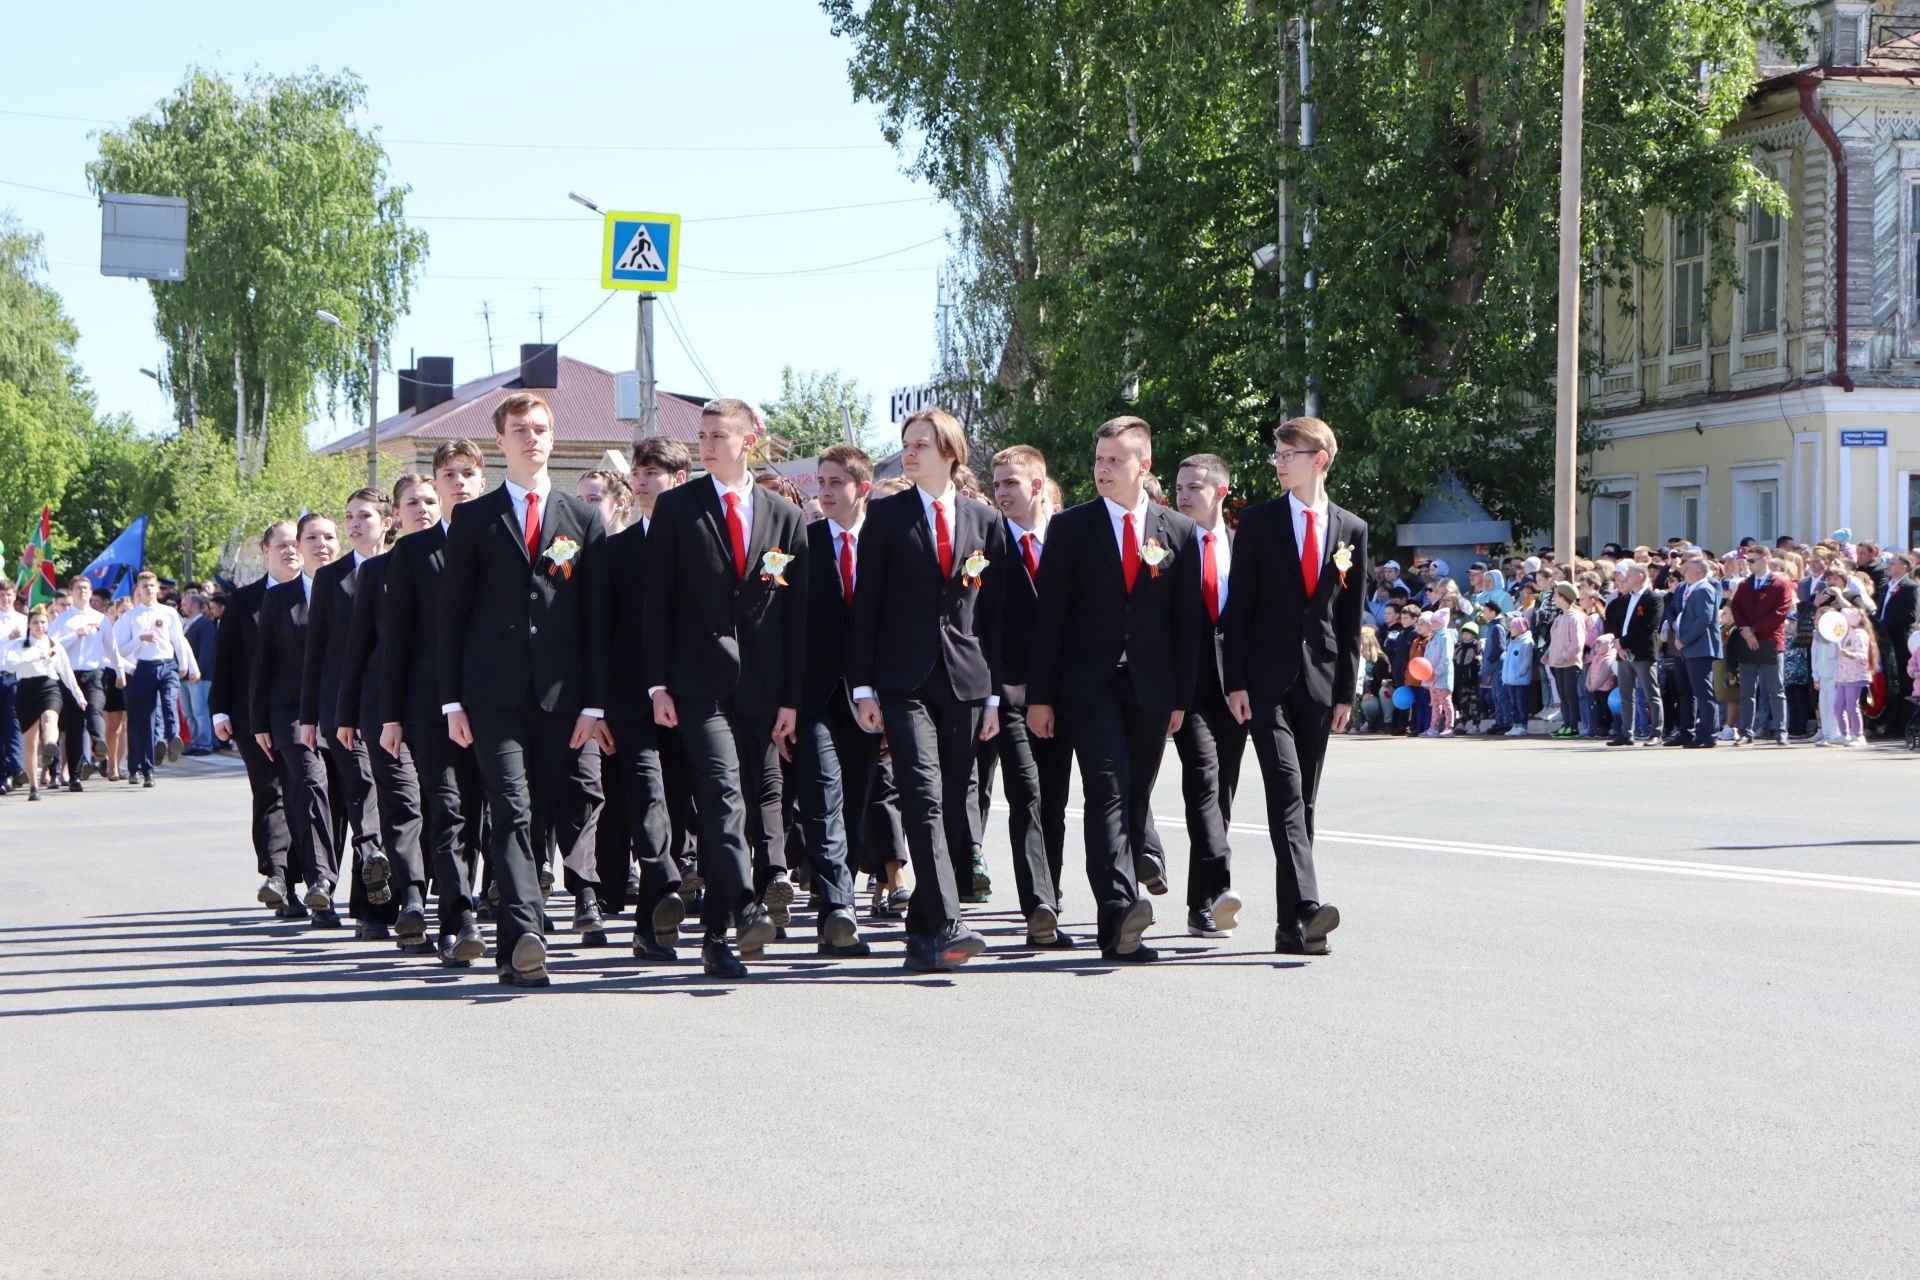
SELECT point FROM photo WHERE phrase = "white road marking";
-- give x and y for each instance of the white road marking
(1576, 858)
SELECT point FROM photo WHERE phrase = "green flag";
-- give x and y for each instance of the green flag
(36, 580)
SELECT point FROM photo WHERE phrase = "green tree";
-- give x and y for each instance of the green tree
(1115, 162)
(46, 406)
(811, 411)
(290, 212)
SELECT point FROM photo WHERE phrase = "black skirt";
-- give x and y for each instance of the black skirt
(36, 696)
(116, 696)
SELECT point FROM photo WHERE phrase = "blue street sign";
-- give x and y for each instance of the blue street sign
(641, 251)
(1863, 439)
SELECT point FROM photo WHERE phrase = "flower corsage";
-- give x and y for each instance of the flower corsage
(559, 555)
(976, 564)
(1153, 553)
(773, 567)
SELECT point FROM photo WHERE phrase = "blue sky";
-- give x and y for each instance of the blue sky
(575, 81)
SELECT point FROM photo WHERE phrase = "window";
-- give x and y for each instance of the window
(1757, 488)
(1683, 504)
(1763, 270)
(1611, 516)
(1689, 283)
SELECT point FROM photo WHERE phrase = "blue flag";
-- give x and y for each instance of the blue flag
(120, 561)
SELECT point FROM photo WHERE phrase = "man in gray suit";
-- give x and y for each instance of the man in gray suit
(1696, 609)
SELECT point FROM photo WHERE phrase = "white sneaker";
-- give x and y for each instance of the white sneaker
(1726, 735)
(1518, 731)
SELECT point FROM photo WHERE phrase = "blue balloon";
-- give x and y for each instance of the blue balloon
(1403, 697)
(1613, 701)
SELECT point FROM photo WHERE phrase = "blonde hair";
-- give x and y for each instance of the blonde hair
(1311, 433)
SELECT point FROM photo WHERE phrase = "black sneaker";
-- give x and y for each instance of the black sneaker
(1201, 924)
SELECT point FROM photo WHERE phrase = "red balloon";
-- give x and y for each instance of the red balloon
(1420, 669)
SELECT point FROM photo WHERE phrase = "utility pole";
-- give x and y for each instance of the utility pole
(486, 318)
(373, 413)
(643, 425)
(1566, 389)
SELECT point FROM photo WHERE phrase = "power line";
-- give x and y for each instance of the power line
(28, 186)
(730, 217)
(807, 271)
(674, 324)
(618, 146)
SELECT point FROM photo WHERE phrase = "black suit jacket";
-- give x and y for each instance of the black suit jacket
(1275, 634)
(358, 701)
(626, 583)
(711, 633)
(906, 617)
(828, 615)
(1639, 635)
(279, 660)
(1019, 613)
(327, 621)
(512, 627)
(410, 628)
(1898, 618)
(228, 692)
(1088, 623)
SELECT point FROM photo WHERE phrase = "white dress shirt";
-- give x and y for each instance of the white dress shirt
(745, 494)
(1222, 556)
(518, 496)
(1319, 509)
(26, 659)
(840, 533)
(13, 625)
(87, 652)
(1117, 516)
(169, 638)
(1038, 533)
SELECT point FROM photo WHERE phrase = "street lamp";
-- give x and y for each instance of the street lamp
(579, 199)
(373, 394)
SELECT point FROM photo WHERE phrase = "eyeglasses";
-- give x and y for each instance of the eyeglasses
(1285, 457)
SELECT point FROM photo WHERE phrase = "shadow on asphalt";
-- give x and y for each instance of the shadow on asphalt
(300, 956)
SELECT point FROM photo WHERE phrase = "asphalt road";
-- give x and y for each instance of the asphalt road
(1592, 1013)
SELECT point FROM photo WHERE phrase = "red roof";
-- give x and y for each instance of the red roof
(582, 411)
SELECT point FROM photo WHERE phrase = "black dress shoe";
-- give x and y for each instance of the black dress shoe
(326, 918)
(1139, 955)
(667, 915)
(1317, 920)
(1703, 743)
(1152, 873)
(319, 895)
(146, 780)
(717, 958)
(527, 967)
(467, 945)
(1619, 742)
(587, 919)
(371, 931)
(778, 900)
(74, 785)
(856, 950)
(1674, 740)
(1060, 941)
(411, 925)
(633, 884)
(546, 884)
(1042, 925)
(292, 909)
(756, 930)
(273, 891)
(647, 946)
(1132, 927)
(376, 874)
(449, 952)
(838, 928)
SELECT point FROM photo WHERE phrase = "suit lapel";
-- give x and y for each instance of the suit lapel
(515, 533)
(760, 540)
(1291, 545)
(921, 535)
(715, 519)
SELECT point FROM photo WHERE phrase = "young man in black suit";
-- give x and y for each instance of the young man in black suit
(923, 655)
(369, 514)
(723, 655)
(1115, 648)
(411, 722)
(836, 761)
(357, 718)
(279, 663)
(1037, 772)
(523, 671)
(1211, 743)
(1292, 656)
(228, 701)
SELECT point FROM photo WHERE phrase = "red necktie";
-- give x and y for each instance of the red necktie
(943, 540)
(1026, 553)
(736, 534)
(1129, 552)
(533, 525)
(846, 566)
(1209, 576)
(1310, 557)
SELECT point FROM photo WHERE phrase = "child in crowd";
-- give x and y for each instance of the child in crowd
(1398, 643)
(1857, 659)
(1468, 704)
(1600, 682)
(1439, 686)
(1423, 689)
(1493, 651)
(1376, 684)
(1825, 661)
(1516, 669)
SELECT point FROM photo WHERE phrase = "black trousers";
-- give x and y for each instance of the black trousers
(836, 770)
(396, 790)
(453, 802)
(272, 836)
(931, 735)
(1119, 746)
(356, 797)
(636, 816)
(84, 723)
(1030, 806)
(1211, 744)
(676, 774)
(518, 750)
(736, 784)
(1290, 741)
(303, 781)
(883, 836)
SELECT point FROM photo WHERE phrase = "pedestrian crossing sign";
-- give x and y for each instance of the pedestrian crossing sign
(641, 251)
